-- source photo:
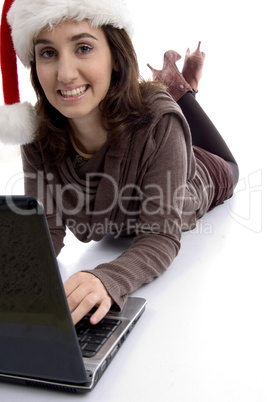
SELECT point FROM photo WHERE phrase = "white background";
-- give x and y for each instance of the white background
(212, 301)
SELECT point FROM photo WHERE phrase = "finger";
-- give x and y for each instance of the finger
(71, 285)
(83, 308)
(79, 296)
(101, 311)
(77, 287)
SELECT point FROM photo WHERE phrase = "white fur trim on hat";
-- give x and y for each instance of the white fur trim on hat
(18, 124)
(28, 17)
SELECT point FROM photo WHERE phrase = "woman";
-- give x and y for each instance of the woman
(108, 153)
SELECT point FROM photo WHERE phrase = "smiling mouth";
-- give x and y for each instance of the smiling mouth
(75, 92)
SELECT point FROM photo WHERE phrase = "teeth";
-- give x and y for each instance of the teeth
(74, 92)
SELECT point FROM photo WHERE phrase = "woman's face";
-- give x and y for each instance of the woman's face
(74, 66)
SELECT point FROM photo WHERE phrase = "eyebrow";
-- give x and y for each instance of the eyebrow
(72, 39)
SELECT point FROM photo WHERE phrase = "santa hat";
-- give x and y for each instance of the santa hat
(22, 21)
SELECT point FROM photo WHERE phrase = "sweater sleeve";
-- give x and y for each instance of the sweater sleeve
(36, 184)
(158, 228)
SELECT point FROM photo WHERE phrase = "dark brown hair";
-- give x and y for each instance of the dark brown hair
(125, 109)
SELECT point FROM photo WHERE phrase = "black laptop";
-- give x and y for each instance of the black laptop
(39, 345)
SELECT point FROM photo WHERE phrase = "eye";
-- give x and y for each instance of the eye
(47, 54)
(84, 49)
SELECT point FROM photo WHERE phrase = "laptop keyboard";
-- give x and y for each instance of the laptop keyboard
(92, 337)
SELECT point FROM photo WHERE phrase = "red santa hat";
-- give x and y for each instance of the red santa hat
(22, 21)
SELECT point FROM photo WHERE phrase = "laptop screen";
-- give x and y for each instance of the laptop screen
(37, 337)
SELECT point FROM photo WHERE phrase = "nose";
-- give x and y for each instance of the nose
(67, 69)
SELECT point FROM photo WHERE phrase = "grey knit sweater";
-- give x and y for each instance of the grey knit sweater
(155, 189)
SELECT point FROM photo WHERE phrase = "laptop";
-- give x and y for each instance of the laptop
(39, 345)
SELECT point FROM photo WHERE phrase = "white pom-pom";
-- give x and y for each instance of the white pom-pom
(18, 124)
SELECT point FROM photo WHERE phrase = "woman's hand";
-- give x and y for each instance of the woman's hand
(85, 291)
